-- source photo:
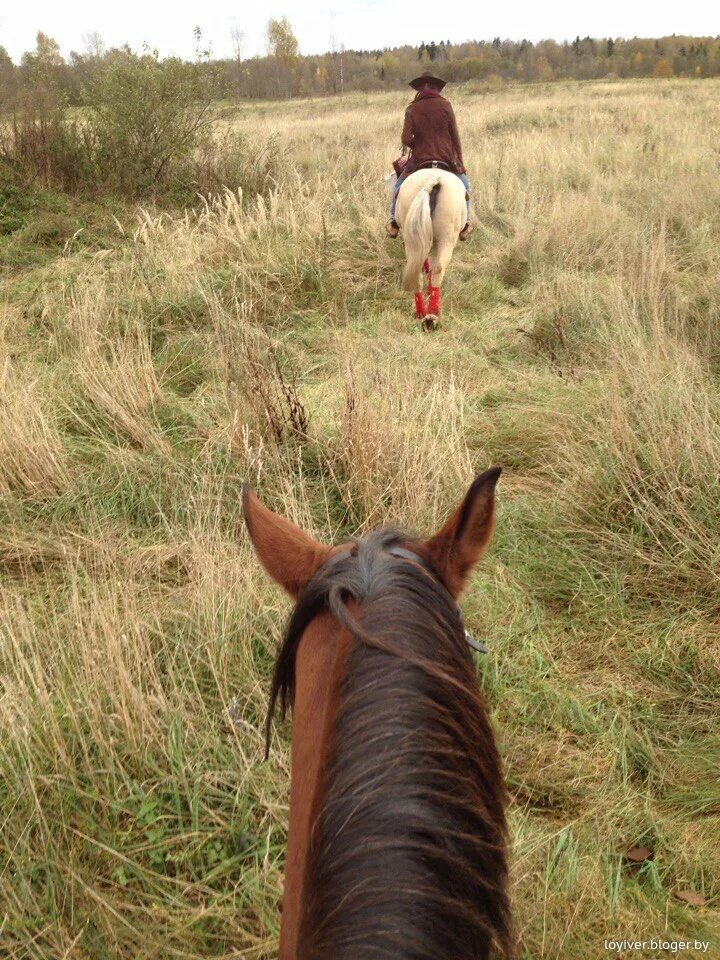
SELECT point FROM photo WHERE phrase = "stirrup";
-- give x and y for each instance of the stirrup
(392, 229)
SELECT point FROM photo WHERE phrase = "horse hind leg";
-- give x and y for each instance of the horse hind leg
(431, 317)
(439, 261)
(421, 307)
(431, 320)
(428, 311)
(434, 303)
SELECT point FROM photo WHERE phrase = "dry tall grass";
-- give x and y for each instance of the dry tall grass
(580, 351)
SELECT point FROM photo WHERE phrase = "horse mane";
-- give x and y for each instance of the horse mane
(408, 855)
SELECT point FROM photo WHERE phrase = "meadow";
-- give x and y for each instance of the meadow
(150, 362)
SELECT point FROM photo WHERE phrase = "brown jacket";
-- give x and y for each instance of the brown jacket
(430, 130)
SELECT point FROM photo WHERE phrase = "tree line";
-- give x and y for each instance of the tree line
(283, 72)
(142, 127)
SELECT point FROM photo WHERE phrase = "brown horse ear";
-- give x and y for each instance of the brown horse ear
(289, 555)
(455, 549)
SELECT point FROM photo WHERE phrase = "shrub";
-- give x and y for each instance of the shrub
(146, 133)
(148, 118)
(43, 144)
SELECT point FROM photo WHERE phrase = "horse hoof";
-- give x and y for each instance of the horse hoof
(430, 323)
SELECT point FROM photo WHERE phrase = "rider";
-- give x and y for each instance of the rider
(430, 132)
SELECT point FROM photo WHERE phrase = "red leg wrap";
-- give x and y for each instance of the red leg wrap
(426, 266)
(420, 305)
(434, 301)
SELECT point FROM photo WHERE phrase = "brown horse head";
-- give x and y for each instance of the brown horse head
(397, 844)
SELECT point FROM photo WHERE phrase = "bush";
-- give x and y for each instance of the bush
(145, 133)
(147, 119)
(43, 144)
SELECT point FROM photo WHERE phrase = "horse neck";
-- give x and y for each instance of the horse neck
(375, 807)
(320, 663)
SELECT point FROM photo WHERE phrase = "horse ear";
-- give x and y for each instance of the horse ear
(288, 554)
(458, 546)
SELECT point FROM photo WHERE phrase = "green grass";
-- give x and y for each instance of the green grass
(37, 225)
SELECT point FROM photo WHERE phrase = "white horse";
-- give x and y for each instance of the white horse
(431, 212)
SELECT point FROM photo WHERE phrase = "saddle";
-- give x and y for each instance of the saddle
(435, 164)
(401, 162)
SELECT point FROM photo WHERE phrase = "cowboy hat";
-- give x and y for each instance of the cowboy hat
(419, 82)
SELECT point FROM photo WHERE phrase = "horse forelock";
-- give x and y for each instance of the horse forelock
(408, 855)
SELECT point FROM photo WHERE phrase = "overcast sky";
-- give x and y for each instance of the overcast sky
(362, 24)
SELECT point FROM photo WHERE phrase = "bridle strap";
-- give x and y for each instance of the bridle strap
(472, 642)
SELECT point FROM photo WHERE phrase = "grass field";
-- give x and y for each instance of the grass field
(150, 365)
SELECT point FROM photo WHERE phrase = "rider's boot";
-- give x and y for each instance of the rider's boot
(466, 231)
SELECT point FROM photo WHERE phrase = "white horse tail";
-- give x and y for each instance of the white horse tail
(418, 234)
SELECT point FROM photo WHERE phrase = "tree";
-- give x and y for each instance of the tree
(281, 41)
(283, 48)
(238, 41)
(389, 66)
(8, 80)
(45, 62)
(543, 70)
(663, 70)
(44, 78)
(48, 51)
(94, 45)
